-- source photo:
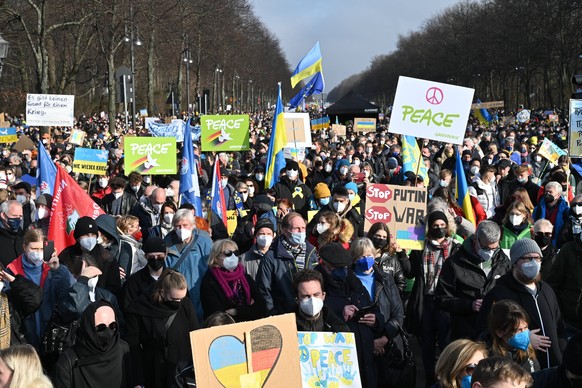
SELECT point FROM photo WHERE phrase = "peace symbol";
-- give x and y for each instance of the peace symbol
(434, 96)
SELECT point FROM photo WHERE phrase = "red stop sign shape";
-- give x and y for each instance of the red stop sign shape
(378, 214)
(378, 193)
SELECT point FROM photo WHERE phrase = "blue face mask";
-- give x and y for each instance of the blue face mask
(324, 201)
(13, 223)
(364, 263)
(297, 238)
(340, 274)
(466, 382)
(520, 340)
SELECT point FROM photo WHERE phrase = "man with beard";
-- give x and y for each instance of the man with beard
(524, 286)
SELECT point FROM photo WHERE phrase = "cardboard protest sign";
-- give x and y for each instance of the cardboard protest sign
(261, 353)
(231, 221)
(554, 118)
(362, 124)
(488, 105)
(5, 124)
(575, 128)
(56, 110)
(150, 155)
(328, 359)
(8, 135)
(402, 208)
(225, 132)
(90, 161)
(431, 110)
(551, 151)
(297, 154)
(77, 137)
(523, 116)
(298, 130)
(24, 143)
(339, 129)
(320, 123)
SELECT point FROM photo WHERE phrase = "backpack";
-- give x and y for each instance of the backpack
(59, 335)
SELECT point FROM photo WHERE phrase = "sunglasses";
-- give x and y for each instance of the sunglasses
(575, 204)
(228, 252)
(469, 369)
(101, 327)
(243, 192)
(547, 234)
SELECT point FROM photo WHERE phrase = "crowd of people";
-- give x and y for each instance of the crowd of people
(492, 300)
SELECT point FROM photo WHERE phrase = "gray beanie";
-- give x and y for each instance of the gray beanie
(523, 247)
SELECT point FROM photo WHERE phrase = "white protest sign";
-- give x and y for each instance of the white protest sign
(57, 110)
(432, 110)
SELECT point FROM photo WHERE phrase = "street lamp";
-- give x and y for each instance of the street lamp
(217, 88)
(4, 45)
(187, 60)
(133, 40)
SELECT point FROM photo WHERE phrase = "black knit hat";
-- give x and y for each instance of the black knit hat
(264, 223)
(335, 254)
(85, 225)
(437, 215)
(292, 165)
(154, 244)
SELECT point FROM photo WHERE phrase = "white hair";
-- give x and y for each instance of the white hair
(183, 214)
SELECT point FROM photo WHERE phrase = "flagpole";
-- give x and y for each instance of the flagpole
(90, 179)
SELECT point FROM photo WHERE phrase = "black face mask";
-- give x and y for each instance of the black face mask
(379, 243)
(543, 240)
(549, 198)
(172, 304)
(340, 274)
(438, 232)
(105, 337)
(156, 264)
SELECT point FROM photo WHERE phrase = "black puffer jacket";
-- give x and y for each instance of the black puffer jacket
(390, 304)
(543, 312)
(462, 281)
(397, 266)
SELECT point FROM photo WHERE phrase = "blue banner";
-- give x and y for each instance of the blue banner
(174, 129)
(46, 172)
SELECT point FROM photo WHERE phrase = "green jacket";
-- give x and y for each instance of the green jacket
(508, 238)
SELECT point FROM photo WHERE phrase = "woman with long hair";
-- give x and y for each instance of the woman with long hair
(457, 363)
(517, 224)
(227, 287)
(509, 334)
(331, 227)
(389, 256)
(20, 367)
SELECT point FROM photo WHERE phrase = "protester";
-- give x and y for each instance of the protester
(22, 191)
(264, 235)
(516, 225)
(499, 371)
(330, 227)
(342, 206)
(130, 236)
(388, 255)
(165, 223)
(148, 209)
(11, 231)
(569, 373)
(118, 202)
(20, 367)
(542, 230)
(553, 208)
(457, 363)
(43, 210)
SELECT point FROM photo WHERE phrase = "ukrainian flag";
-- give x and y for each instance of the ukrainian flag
(482, 114)
(412, 159)
(463, 198)
(309, 65)
(275, 157)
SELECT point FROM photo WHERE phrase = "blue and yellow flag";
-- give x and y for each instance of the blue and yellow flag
(412, 159)
(482, 115)
(315, 86)
(276, 157)
(463, 196)
(309, 65)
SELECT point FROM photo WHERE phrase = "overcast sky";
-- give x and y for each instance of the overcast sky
(350, 33)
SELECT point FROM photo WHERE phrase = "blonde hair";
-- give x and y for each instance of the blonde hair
(453, 360)
(519, 206)
(361, 246)
(125, 222)
(25, 365)
(217, 248)
(170, 280)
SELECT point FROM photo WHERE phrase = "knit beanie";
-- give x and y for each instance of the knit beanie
(437, 215)
(85, 225)
(321, 190)
(523, 247)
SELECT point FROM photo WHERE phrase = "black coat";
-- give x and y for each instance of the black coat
(327, 321)
(462, 281)
(296, 191)
(134, 286)
(397, 266)
(24, 298)
(214, 299)
(11, 243)
(155, 350)
(543, 312)
(351, 215)
(127, 202)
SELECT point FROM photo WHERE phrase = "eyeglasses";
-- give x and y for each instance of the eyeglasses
(101, 327)
(469, 369)
(530, 258)
(228, 252)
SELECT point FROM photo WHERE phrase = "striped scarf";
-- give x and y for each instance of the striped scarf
(298, 253)
(432, 267)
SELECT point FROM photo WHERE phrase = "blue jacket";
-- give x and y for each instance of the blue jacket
(194, 265)
(275, 276)
(540, 211)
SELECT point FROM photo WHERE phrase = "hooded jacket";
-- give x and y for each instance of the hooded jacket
(462, 281)
(122, 253)
(542, 309)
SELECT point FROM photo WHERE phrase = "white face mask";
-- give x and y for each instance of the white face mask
(103, 183)
(157, 207)
(321, 228)
(118, 195)
(135, 188)
(357, 162)
(264, 240)
(343, 170)
(339, 206)
(170, 192)
(168, 217)
(21, 199)
(35, 257)
(230, 263)
(292, 174)
(42, 212)
(474, 170)
(538, 158)
(515, 219)
(311, 306)
(328, 168)
(260, 177)
(223, 182)
(251, 190)
(443, 183)
(244, 196)
(92, 283)
(183, 234)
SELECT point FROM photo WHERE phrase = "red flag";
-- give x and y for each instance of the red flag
(70, 203)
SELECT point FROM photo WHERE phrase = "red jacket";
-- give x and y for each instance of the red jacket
(17, 268)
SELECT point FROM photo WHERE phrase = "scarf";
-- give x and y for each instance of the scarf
(4, 322)
(298, 253)
(230, 280)
(432, 268)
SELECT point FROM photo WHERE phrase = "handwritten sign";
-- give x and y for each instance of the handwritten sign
(50, 109)
(260, 353)
(402, 208)
(328, 360)
(364, 124)
(8, 135)
(77, 137)
(298, 130)
(432, 110)
(339, 129)
(150, 155)
(575, 129)
(551, 151)
(225, 132)
(90, 161)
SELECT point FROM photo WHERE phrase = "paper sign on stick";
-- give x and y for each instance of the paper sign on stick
(432, 110)
(150, 155)
(8, 135)
(402, 208)
(364, 124)
(225, 132)
(262, 353)
(50, 110)
(90, 161)
(575, 128)
(298, 130)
